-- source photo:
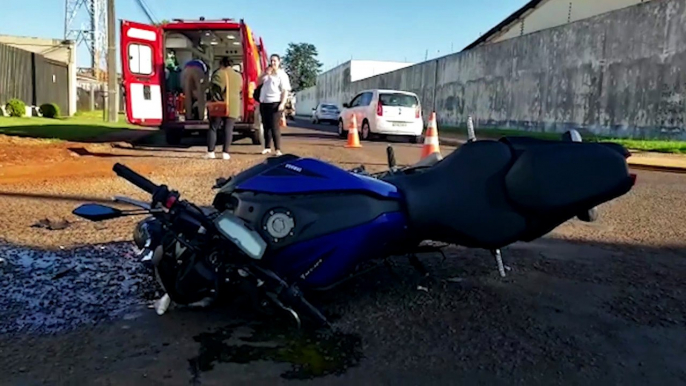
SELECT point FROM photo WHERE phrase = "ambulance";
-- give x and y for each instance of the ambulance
(151, 85)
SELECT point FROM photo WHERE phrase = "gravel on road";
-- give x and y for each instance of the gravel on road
(599, 303)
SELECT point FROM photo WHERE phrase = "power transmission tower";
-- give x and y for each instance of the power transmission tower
(85, 22)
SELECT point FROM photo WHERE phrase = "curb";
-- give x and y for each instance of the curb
(632, 165)
(658, 168)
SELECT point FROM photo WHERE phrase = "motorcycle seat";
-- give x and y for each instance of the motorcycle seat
(489, 194)
(462, 199)
(565, 176)
(521, 144)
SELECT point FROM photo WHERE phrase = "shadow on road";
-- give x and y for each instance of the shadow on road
(55, 197)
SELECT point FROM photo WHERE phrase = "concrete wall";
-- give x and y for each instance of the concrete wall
(332, 82)
(53, 49)
(554, 13)
(621, 73)
(361, 69)
(306, 100)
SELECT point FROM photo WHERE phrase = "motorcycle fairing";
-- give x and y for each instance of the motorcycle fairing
(292, 175)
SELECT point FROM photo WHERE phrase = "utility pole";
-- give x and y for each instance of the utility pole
(112, 84)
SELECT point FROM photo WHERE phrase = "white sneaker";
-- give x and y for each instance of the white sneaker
(210, 155)
(266, 151)
(226, 156)
(279, 153)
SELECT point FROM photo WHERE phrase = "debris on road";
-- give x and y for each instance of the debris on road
(51, 225)
(102, 285)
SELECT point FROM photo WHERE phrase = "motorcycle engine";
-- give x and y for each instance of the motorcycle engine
(187, 272)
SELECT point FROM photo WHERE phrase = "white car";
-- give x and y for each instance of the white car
(325, 112)
(384, 112)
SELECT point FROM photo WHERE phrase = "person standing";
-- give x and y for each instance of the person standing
(193, 79)
(226, 86)
(273, 95)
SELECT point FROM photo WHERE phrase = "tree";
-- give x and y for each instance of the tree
(301, 65)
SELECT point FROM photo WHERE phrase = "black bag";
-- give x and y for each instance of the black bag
(256, 93)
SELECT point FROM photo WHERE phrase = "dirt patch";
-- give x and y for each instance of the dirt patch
(22, 151)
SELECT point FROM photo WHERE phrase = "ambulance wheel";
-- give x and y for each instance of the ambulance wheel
(173, 136)
(257, 136)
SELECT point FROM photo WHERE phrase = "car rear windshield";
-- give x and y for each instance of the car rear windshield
(398, 100)
(332, 107)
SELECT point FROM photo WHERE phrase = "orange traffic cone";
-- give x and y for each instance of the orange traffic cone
(431, 138)
(353, 136)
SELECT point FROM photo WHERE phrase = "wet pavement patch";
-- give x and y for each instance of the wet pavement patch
(311, 354)
(52, 291)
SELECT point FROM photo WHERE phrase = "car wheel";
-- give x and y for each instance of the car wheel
(341, 132)
(416, 139)
(365, 134)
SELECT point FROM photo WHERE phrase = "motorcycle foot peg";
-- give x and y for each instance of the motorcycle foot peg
(499, 261)
(288, 310)
(294, 297)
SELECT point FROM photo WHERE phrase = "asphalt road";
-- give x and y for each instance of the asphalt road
(598, 303)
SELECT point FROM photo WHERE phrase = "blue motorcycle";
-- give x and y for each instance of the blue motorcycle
(290, 225)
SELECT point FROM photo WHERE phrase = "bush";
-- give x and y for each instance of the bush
(16, 108)
(50, 110)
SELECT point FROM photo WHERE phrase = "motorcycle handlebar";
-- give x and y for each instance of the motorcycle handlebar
(135, 178)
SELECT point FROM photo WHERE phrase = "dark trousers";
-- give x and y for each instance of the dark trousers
(217, 123)
(270, 122)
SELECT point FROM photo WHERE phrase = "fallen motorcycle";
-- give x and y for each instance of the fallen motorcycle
(292, 224)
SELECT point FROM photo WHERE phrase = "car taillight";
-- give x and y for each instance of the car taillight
(417, 112)
(379, 109)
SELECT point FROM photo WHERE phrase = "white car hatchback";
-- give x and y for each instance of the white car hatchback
(384, 112)
(325, 112)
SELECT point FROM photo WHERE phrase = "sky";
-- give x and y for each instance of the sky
(388, 30)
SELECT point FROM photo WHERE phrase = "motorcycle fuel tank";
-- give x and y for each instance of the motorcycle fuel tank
(308, 175)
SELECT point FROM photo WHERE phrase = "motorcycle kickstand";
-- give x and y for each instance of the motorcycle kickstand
(421, 268)
(499, 261)
(417, 265)
(390, 266)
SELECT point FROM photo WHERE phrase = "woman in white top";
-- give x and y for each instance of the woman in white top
(275, 87)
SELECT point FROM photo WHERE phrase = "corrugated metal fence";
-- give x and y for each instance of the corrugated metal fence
(32, 78)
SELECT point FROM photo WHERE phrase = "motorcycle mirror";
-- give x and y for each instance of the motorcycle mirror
(97, 212)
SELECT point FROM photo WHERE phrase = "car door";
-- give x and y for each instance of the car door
(315, 111)
(363, 110)
(251, 68)
(142, 63)
(352, 109)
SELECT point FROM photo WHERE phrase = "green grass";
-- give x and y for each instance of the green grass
(647, 145)
(83, 126)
